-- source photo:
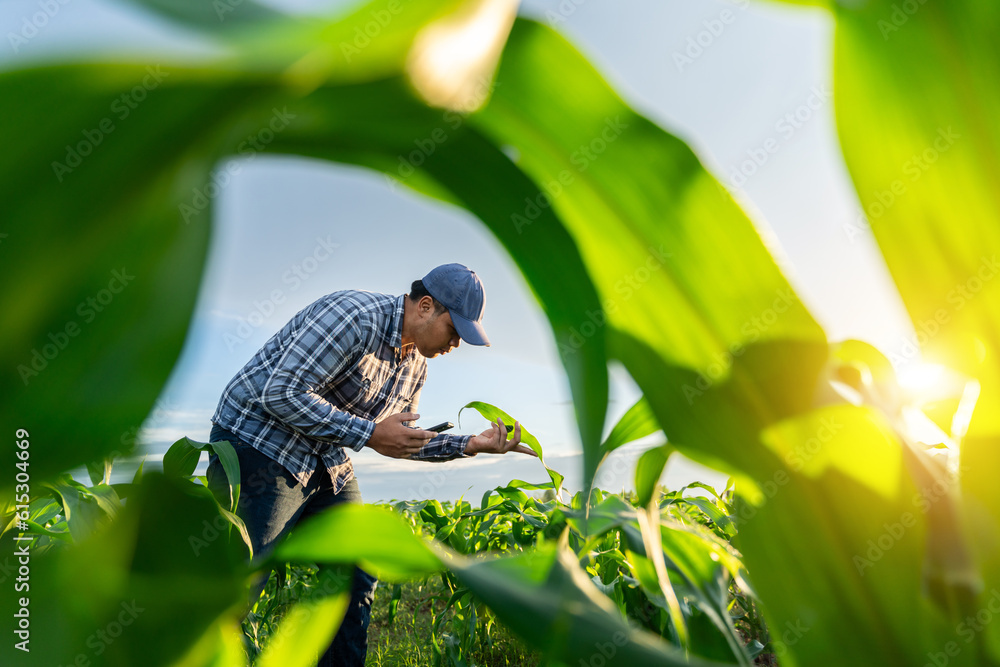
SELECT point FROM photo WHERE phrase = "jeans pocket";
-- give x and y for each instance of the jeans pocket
(222, 433)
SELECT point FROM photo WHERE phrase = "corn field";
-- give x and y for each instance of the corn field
(847, 536)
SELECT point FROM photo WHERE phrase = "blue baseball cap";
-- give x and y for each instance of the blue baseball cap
(459, 289)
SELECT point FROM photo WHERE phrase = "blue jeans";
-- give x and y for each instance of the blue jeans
(271, 503)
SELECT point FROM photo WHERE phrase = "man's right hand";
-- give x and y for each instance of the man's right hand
(394, 439)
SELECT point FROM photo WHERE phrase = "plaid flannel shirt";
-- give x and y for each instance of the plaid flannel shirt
(321, 383)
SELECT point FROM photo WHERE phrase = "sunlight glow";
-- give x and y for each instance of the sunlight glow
(922, 429)
(929, 387)
(926, 383)
(453, 60)
(960, 422)
(921, 379)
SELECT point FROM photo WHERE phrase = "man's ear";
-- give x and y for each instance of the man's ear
(426, 303)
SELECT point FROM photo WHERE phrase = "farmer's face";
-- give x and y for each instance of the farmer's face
(435, 333)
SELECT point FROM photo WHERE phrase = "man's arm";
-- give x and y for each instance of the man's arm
(448, 446)
(323, 347)
(493, 440)
(443, 446)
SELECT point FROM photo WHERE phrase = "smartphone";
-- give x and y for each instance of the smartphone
(440, 428)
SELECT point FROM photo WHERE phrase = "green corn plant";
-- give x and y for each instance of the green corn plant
(68, 511)
(529, 592)
(914, 85)
(181, 459)
(810, 432)
(617, 546)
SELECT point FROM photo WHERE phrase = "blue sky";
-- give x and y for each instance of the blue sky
(747, 85)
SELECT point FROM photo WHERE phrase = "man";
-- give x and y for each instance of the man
(345, 372)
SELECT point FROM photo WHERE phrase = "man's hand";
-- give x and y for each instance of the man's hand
(393, 439)
(494, 441)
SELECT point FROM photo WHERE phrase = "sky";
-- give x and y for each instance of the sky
(747, 85)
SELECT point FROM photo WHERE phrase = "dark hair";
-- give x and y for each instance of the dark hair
(418, 291)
